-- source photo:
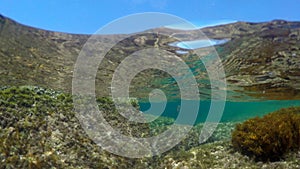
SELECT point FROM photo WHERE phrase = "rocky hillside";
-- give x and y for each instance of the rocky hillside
(266, 61)
(260, 60)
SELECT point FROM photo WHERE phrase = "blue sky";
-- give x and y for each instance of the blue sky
(79, 16)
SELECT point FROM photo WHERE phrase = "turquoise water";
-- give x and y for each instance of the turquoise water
(195, 44)
(234, 111)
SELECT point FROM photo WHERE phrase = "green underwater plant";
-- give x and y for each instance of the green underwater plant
(270, 137)
(39, 129)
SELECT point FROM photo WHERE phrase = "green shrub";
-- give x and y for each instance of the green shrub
(270, 137)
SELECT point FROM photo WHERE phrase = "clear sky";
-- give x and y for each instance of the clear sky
(87, 16)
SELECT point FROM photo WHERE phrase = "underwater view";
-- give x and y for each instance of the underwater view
(149, 84)
(246, 109)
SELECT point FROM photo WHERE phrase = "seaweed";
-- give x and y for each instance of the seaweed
(269, 138)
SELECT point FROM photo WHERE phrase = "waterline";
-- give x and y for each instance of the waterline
(234, 111)
(195, 44)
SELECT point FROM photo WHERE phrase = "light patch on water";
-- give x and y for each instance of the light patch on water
(181, 52)
(195, 44)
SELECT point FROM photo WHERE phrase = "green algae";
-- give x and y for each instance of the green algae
(39, 129)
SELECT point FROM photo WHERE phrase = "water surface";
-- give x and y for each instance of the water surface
(195, 44)
(234, 111)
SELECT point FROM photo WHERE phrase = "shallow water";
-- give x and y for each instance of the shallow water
(234, 111)
(238, 107)
(195, 44)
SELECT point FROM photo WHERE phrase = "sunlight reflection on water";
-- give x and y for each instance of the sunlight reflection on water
(195, 44)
